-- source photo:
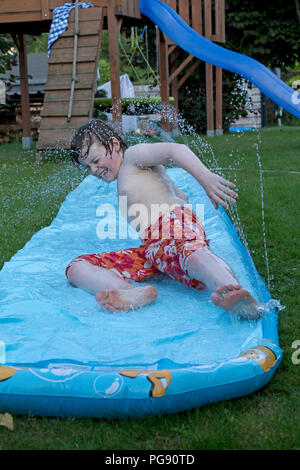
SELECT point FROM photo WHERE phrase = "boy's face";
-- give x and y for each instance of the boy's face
(101, 163)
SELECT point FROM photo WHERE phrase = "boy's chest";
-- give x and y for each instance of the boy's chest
(143, 185)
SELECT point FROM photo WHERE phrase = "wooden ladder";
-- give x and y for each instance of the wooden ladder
(56, 130)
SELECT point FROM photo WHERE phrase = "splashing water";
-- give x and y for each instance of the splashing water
(263, 211)
(185, 133)
(244, 85)
(267, 307)
(182, 131)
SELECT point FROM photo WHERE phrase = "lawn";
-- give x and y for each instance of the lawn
(268, 419)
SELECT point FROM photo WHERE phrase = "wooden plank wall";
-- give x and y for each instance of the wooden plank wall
(15, 11)
(129, 8)
(193, 13)
(55, 130)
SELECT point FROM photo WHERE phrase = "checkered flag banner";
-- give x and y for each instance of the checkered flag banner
(60, 21)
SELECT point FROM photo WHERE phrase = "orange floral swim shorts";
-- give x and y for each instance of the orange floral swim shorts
(167, 244)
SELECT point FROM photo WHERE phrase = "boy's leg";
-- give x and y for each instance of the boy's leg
(219, 278)
(110, 290)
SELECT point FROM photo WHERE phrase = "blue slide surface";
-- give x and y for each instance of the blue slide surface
(61, 354)
(192, 42)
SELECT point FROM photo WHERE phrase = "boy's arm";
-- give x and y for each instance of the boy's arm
(216, 187)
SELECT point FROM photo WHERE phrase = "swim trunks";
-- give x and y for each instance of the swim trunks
(168, 243)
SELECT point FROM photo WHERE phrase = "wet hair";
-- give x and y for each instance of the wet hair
(86, 135)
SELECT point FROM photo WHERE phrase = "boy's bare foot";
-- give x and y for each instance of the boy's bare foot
(126, 299)
(238, 300)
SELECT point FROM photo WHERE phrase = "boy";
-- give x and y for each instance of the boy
(174, 243)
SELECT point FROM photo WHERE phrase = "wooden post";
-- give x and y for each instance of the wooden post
(164, 86)
(209, 99)
(25, 101)
(197, 16)
(45, 10)
(113, 31)
(174, 83)
(209, 73)
(174, 90)
(220, 20)
(220, 37)
(219, 99)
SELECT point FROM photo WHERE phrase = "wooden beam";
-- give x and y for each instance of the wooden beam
(101, 23)
(207, 18)
(209, 98)
(114, 64)
(220, 20)
(99, 3)
(172, 48)
(219, 102)
(197, 16)
(175, 54)
(25, 101)
(16, 11)
(174, 84)
(172, 4)
(45, 12)
(180, 68)
(163, 67)
(189, 73)
(184, 10)
(209, 71)
(164, 72)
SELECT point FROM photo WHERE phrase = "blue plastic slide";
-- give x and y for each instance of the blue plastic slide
(62, 354)
(192, 42)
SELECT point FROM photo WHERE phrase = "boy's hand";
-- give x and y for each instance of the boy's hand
(218, 189)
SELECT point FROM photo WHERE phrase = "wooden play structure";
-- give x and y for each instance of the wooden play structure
(73, 63)
(211, 24)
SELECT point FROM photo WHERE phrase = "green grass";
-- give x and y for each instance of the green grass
(268, 419)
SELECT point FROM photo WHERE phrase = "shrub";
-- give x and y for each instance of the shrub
(132, 106)
(192, 100)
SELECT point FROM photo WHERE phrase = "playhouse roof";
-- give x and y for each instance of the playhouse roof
(37, 74)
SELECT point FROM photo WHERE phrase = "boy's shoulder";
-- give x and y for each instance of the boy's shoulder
(142, 148)
(137, 148)
(135, 151)
(150, 154)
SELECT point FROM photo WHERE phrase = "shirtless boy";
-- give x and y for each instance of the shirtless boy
(142, 178)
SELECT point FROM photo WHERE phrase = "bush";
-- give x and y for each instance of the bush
(192, 100)
(132, 106)
(104, 70)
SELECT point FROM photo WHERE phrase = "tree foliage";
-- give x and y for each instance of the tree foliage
(192, 100)
(8, 54)
(37, 44)
(266, 31)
